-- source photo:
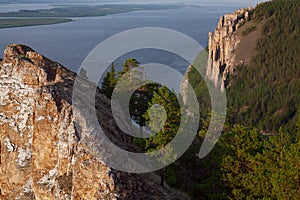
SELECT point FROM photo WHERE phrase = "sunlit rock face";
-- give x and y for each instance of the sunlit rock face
(222, 45)
(42, 155)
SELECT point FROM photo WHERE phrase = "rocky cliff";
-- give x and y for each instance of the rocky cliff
(222, 45)
(41, 153)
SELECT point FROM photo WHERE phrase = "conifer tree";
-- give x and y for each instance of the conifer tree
(109, 82)
(166, 109)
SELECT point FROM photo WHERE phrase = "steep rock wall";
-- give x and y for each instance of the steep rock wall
(222, 45)
(41, 153)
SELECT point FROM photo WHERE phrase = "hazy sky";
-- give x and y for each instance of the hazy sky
(238, 2)
(192, 1)
(253, 2)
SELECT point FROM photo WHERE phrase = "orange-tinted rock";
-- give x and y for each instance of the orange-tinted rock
(221, 46)
(41, 154)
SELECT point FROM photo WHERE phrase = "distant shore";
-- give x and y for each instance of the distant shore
(20, 22)
(85, 11)
(64, 14)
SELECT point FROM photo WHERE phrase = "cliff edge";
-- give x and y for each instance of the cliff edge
(223, 45)
(42, 155)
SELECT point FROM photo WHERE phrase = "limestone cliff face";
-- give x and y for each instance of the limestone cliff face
(222, 45)
(41, 153)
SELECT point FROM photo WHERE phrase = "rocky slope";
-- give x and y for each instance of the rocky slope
(41, 153)
(222, 45)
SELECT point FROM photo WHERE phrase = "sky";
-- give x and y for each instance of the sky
(239, 2)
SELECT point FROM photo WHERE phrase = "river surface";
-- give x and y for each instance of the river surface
(69, 43)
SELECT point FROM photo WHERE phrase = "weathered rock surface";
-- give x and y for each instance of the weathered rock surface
(41, 152)
(222, 45)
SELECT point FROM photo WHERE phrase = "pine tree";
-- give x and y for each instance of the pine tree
(129, 64)
(261, 167)
(105, 86)
(164, 107)
(112, 76)
(109, 82)
(139, 102)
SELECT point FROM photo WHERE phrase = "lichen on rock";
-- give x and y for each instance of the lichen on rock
(42, 155)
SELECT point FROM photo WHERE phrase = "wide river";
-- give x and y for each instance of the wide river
(69, 43)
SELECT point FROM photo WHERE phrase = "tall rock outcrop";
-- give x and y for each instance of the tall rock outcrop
(222, 45)
(41, 152)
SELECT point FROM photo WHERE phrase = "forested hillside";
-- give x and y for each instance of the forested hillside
(265, 93)
(257, 156)
(260, 158)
